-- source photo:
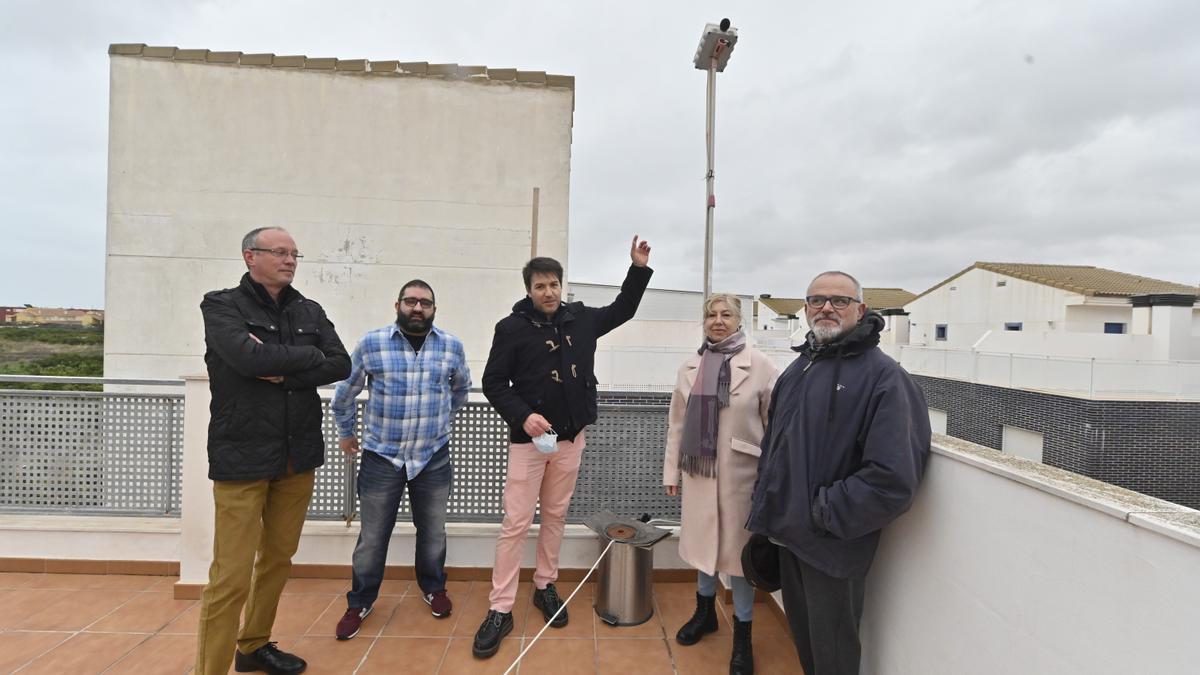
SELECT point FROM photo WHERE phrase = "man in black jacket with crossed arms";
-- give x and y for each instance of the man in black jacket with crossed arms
(268, 349)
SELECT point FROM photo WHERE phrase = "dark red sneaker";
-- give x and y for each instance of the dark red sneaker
(439, 602)
(351, 622)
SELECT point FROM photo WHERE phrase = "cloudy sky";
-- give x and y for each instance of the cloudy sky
(898, 141)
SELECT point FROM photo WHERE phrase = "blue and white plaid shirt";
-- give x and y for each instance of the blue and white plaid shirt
(410, 395)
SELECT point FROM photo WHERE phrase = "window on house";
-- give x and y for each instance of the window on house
(1001, 284)
(939, 331)
(1114, 328)
(1012, 325)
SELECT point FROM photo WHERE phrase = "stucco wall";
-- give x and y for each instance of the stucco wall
(1004, 566)
(380, 179)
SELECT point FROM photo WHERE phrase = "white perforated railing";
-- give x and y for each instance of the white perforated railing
(101, 453)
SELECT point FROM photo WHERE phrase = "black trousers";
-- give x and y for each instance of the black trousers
(824, 613)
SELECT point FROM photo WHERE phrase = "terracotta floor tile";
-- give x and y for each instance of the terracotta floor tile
(459, 658)
(18, 648)
(84, 654)
(144, 613)
(326, 586)
(16, 605)
(561, 657)
(401, 654)
(160, 654)
(111, 582)
(676, 591)
(299, 611)
(186, 622)
(709, 655)
(164, 584)
(73, 610)
(412, 619)
(651, 628)
(17, 579)
(325, 654)
(381, 613)
(395, 587)
(644, 657)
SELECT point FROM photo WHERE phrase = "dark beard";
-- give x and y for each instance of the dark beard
(414, 326)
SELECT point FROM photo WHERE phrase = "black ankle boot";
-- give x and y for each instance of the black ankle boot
(742, 661)
(703, 621)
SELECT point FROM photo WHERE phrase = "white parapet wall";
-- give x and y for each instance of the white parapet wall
(1008, 566)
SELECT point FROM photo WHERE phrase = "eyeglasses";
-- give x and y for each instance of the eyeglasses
(425, 303)
(838, 301)
(280, 252)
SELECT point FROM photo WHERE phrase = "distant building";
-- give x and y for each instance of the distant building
(9, 314)
(1058, 310)
(1083, 368)
(59, 315)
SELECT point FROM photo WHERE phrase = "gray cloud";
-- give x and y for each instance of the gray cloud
(901, 142)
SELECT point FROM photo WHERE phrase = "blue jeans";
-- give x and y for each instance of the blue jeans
(743, 593)
(380, 489)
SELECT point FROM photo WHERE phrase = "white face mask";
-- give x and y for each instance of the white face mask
(547, 442)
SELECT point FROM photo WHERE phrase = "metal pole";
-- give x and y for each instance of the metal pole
(708, 177)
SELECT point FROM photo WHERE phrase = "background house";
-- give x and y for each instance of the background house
(1058, 310)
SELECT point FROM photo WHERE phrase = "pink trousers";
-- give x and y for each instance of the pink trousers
(533, 476)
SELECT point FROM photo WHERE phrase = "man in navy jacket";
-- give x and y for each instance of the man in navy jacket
(846, 446)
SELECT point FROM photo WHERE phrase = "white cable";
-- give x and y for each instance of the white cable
(561, 607)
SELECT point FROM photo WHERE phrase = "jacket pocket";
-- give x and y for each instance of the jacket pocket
(306, 334)
(746, 447)
(265, 331)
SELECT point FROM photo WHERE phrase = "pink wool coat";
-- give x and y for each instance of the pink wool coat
(715, 509)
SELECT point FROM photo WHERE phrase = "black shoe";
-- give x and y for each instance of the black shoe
(703, 621)
(268, 658)
(547, 600)
(493, 628)
(742, 661)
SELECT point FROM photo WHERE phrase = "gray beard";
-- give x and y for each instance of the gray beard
(825, 335)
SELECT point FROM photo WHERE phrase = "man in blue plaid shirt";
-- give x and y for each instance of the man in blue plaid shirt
(416, 377)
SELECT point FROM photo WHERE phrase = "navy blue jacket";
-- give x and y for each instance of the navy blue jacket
(846, 445)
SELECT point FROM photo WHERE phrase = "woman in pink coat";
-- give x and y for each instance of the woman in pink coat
(718, 412)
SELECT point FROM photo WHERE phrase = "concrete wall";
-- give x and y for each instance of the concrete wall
(380, 179)
(1004, 566)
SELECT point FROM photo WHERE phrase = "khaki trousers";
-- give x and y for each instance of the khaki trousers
(258, 525)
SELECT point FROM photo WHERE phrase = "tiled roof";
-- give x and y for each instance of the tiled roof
(447, 71)
(1082, 279)
(887, 298)
(875, 298)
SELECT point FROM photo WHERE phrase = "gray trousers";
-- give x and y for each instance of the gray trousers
(824, 613)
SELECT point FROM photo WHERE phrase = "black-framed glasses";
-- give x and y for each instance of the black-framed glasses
(425, 303)
(280, 252)
(838, 301)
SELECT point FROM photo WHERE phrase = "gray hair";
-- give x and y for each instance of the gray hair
(732, 301)
(858, 295)
(251, 239)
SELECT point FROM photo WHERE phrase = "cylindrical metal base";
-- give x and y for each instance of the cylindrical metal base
(624, 586)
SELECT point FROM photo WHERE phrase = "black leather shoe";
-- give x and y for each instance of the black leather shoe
(702, 622)
(742, 660)
(547, 600)
(493, 628)
(268, 658)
